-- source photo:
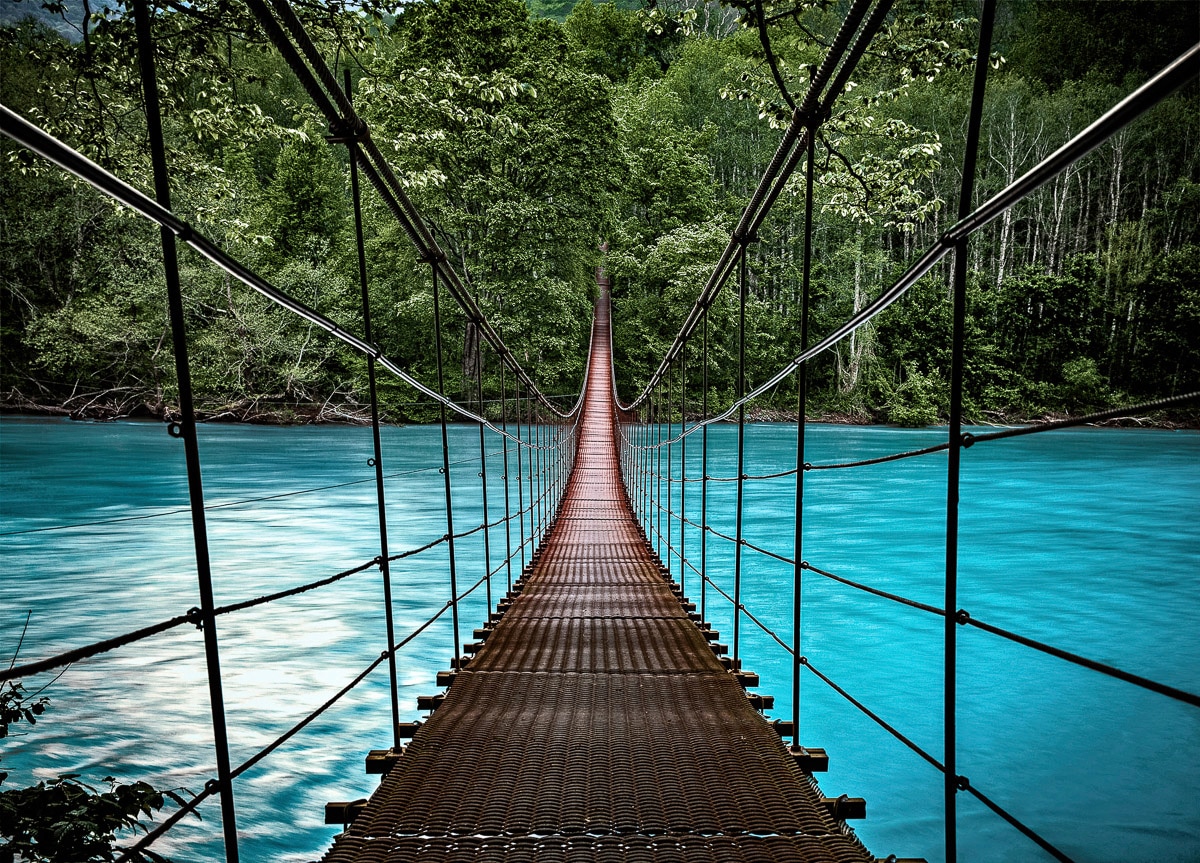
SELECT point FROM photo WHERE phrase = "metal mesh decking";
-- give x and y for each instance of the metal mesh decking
(596, 723)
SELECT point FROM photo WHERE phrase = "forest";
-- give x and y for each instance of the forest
(531, 137)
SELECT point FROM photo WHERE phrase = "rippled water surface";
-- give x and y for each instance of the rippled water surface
(1087, 539)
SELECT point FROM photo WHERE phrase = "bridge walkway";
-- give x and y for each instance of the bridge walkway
(596, 723)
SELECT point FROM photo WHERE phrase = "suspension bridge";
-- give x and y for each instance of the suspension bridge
(597, 716)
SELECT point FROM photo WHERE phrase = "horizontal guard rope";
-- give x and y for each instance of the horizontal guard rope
(88, 651)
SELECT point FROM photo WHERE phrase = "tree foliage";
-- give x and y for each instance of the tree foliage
(528, 143)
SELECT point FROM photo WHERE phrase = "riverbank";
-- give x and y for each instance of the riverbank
(114, 405)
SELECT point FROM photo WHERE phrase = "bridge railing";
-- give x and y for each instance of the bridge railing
(654, 447)
(542, 452)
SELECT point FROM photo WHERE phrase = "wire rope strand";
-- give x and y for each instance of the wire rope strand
(964, 619)
(972, 438)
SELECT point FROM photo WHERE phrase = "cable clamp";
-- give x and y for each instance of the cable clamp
(967, 440)
(212, 786)
(962, 783)
(433, 256)
(175, 429)
(804, 565)
(195, 617)
(371, 462)
(961, 616)
(808, 465)
(342, 131)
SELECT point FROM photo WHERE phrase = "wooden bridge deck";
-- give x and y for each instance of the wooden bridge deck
(596, 723)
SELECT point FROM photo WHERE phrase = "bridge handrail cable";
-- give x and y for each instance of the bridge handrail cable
(1174, 75)
(310, 69)
(30, 136)
(961, 616)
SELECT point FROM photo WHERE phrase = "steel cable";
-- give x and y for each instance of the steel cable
(745, 610)
(962, 782)
(970, 438)
(212, 786)
(962, 617)
(318, 80)
(30, 136)
(96, 648)
(773, 174)
(1141, 100)
(912, 603)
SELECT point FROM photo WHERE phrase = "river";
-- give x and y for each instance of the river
(1087, 539)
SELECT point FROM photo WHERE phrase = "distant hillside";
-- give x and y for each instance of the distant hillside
(560, 9)
(15, 11)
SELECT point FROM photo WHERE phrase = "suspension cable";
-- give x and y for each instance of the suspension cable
(31, 137)
(1158, 87)
(305, 60)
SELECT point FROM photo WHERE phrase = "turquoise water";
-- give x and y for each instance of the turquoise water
(1087, 539)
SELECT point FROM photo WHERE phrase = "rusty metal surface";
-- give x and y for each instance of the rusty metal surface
(595, 723)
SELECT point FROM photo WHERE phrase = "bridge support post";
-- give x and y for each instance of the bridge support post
(704, 470)
(670, 465)
(529, 447)
(950, 631)
(483, 473)
(520, 474)
(801, 408)
(377, 461)
(185, 428)
(437, 339)
(683, 466)
(741, 455)
(508, 552)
